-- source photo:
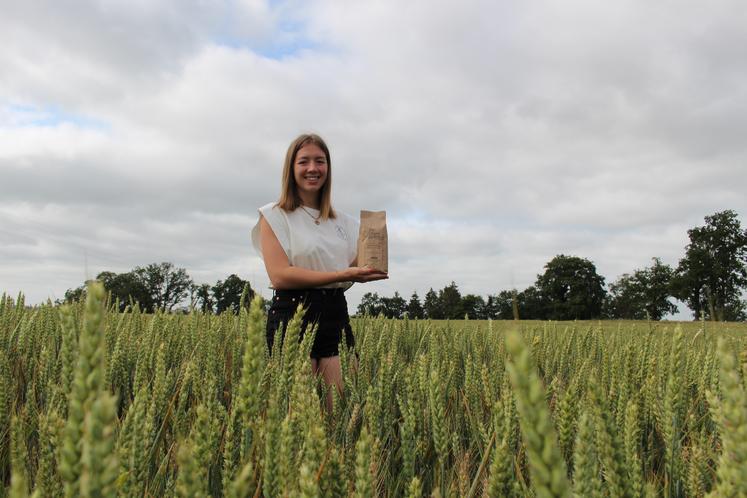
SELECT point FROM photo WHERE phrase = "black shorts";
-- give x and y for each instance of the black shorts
(325, 308)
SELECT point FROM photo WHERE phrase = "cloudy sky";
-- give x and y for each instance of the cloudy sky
(496, 134)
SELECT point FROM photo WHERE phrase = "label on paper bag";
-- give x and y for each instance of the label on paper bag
(373, 241)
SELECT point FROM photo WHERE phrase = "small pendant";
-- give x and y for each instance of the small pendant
(316, 221)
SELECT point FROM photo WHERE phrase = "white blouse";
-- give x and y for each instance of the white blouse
(330, 246)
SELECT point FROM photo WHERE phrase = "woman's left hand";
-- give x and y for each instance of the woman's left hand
(364, 274)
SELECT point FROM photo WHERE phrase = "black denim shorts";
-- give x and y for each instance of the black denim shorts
(325, 308)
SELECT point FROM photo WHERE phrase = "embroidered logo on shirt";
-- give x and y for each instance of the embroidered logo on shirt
(341, 232)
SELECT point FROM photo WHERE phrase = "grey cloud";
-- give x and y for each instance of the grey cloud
(92, 239)
(94, 56)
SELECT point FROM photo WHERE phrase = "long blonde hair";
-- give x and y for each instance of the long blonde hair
(289, 198)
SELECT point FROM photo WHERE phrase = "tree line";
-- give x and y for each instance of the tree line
(710, 278)
(162, 286)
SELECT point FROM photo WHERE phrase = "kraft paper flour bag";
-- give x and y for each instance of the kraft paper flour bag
(373, 241)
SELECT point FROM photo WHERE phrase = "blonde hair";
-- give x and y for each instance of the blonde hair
(289, 198)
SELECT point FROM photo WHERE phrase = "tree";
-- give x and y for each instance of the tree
(127, 288)
(201, 298)
(503, 305)
(571, 289)
(105, 277)
(473, 307)
(75, 295)
(528, 302)
(414, 308)
(451, 302)
(492, 309)
(394, 307)
(625, 298)
(713, 273)
(644, 294)
(227, 294)
(370, 305)
(531, 305)
(432, 306)
(167, 286)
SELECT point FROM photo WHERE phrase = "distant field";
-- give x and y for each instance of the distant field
(107, 404)
(611, 325)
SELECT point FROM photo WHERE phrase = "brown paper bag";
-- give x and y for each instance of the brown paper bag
(373, 241)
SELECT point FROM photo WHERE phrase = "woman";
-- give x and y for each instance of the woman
(309, 250)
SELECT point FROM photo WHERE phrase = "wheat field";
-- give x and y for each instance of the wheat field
(99, 403)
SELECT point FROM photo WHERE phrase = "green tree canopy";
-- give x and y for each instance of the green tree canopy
(127, 288)
(432, 306)
(713, 273)
(502, 304)
(571, 289)
(75, 295)
(370, 305)
(227, 293)
(644, 294)
(492, 308)
(201, 298)
(531, 305)
(394, 307)
(167, 285)
(414, 307)
(450, 300)
(474, 307)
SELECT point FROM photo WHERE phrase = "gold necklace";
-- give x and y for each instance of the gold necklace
(315, 218)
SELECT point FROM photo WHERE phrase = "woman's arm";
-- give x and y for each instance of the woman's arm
(284, 276)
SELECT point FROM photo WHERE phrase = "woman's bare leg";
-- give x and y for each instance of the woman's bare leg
(331, 372)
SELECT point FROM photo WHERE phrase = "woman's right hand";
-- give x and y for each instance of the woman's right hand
(364, 274)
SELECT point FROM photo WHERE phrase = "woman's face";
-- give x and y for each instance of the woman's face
(310, 168)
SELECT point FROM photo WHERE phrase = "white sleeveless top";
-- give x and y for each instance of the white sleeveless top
(330, 246)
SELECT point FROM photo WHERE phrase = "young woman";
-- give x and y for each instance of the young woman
(309, 250)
